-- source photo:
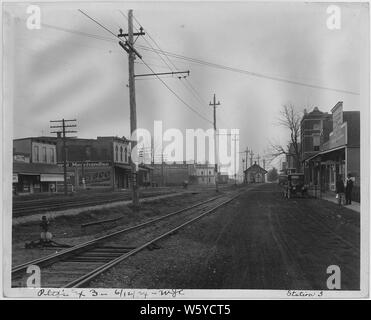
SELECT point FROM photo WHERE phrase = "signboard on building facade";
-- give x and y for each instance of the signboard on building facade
(86, 164)
(338, 135)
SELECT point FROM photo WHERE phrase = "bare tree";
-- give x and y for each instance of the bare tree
(290, 119)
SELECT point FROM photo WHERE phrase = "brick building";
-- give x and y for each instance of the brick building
(172, 174)
(35, 166)
(103, 162)
(339, 152)
(315, 128)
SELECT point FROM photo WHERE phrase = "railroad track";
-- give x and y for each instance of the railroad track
(77, 266)
(21, 209)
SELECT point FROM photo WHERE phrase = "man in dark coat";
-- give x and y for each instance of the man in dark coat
(348, 190)
(339, 189)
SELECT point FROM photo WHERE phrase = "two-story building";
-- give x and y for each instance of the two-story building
(35, 166)
(339, 155)
(103, 162)
(204, 174)
(315, 128)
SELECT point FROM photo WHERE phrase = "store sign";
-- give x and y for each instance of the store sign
(21, 158)
(339, 132)
(51, 177)
(86, 164)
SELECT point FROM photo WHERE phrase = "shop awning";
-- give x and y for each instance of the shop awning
(145, 167)
(35, 168)
(325, 152)
(123, 166)
(51, 177)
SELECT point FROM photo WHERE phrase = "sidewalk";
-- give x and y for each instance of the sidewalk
(330, 196)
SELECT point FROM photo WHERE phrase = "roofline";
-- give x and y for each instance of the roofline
(325, 151)
(337, 105)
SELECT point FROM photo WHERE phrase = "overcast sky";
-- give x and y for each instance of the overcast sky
(60, 74)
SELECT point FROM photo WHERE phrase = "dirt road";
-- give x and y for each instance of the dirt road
(258, 241)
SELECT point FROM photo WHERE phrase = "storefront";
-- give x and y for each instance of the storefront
(122, 176)
(35, 178)
(326, 167)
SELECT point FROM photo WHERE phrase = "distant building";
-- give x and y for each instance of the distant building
(204, 174)
(255, 174)
(315, 128)
(283, 169)
(103, 162)
(223, 178)
(339, 155)
(35, 166)
(172, 174)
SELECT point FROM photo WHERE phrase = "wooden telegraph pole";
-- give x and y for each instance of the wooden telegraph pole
(63, 126)
(246, 152)
(128, 46)
(214, 104)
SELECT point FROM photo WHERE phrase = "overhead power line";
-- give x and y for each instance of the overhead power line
(255, 74)
(207, 63)
(141, 58)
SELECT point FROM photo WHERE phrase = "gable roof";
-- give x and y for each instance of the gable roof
(256, 167)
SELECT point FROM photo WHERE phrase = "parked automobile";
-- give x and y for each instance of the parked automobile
(296, 185)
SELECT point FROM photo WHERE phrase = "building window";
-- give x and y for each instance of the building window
(44, 155)
(126, 155)
(36, 153)
(202, 174)
(316, 126)
(209, 172)
(316, 142)
(51, 155)
(121, 151)
(116, 153)
(88, 153)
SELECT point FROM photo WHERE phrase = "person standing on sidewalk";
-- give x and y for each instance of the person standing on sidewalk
(340, 189)
(348, 190)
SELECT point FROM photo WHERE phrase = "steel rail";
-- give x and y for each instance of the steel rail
(72, 204)
(93, 274)
(50, 259)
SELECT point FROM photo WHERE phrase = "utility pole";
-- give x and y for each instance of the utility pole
(128, 46)
(235, 159)
(251, 157)
(63, 126)
(215, 104)
(162, 169)
(246, 152)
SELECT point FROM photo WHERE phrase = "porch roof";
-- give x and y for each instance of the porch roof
(325, 152)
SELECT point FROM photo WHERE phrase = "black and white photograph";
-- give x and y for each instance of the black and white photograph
(185, 150)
